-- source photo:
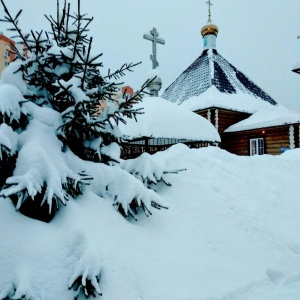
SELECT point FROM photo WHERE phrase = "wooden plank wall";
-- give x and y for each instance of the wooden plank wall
(275, 139)
(226, 118)
(202, 113)
(236, 143)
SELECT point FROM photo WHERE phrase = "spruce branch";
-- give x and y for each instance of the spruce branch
(86, 63)
(16, 52)
(121, 72)
(14, 22)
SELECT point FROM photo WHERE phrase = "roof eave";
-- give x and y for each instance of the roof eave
(262, 127)
(226, 109)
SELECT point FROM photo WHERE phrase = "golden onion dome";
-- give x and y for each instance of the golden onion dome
(209, 28)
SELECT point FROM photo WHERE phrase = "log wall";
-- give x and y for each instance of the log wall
(239, 142)
(226, 118)
(275, 139)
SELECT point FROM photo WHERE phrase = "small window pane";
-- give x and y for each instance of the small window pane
(257, 146)
(253, 147)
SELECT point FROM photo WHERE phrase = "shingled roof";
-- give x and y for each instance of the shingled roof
(211, 69)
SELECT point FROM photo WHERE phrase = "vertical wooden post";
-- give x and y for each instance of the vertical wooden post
(209, 115)
(217, 119)
(291, 136)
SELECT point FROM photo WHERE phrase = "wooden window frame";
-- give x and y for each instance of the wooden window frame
(257, 147)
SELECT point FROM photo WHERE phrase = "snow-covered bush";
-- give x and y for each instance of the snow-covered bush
(50, 104)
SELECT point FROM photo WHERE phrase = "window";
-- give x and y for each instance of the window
(257, 146)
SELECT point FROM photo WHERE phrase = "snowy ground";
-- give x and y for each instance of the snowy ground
(231, 232)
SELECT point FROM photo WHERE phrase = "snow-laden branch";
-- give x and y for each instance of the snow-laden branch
(17, 292)
(8, 141)
(126, 192)
(129, 194)
(41, 170)
(86, 276)
(10, 99)
(148, 170)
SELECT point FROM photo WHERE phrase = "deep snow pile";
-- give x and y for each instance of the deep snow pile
(231, 232)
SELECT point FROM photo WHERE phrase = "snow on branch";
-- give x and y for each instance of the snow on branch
(129, 194)
(8, 141)
(148, 170)
(13, 76)
(18, 292)
(86, 277)
(41, 170)
(86, 274)
(10, 99)
(8, 151)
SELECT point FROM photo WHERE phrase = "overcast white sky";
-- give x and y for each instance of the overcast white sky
(259, 37)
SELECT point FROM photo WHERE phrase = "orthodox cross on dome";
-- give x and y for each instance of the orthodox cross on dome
(209, 31)
(153, 37)
(209, 10)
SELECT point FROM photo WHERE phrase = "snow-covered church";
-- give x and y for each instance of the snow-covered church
(247, 119)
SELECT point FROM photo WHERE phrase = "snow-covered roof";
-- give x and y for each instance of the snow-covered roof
(163, 119)
(211, 69)
(265, 119)
(212, 97)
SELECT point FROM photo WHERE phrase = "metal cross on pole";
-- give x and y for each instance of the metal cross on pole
(209, 8)
(153, 37)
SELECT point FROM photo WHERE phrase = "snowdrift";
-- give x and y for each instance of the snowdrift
(231, 232)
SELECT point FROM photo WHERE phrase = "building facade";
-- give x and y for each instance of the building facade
(6, 52)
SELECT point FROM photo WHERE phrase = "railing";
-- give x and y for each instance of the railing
(132, 149)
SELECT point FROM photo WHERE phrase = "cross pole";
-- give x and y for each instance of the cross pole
(153, 37)
(209, 9)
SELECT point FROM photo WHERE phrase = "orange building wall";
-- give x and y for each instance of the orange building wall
(5, 55)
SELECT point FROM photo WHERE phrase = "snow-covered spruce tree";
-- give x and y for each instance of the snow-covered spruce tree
(56, 144)
(52, 124)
